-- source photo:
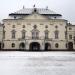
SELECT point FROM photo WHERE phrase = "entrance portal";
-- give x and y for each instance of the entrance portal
(34, 46)
(47, 46)
(70, 46)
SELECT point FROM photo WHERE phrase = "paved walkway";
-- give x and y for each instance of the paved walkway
(37, 63)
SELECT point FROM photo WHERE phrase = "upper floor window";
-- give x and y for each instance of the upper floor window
(13, 34)
(23, 26)
(56, 26)
(65, 34)
(14, 17)
(46, 26)
(4, 34)
(13, 26)
(23, 34)
(70, 28)
(70, 36)
(35, 32)
(46, 34)
(35, 26)
(56, 34)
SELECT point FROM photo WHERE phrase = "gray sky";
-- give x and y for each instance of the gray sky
(64, 7)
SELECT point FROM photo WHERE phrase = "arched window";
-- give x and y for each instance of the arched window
(23, 34)
(56, 45)
(46, 34)
(13, 44)
(56, 34)
(13, 34)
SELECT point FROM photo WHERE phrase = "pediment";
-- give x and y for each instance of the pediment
(35, 16)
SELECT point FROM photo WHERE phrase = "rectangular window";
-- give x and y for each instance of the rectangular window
(23, 35)
(13, 34)
(56, 34)
(35, 35)
(70, 37)
(3, 34)
(65, 34)
(46, 35)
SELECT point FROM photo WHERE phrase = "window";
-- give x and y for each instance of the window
(56, 45)
(13, 34)
(13, 44)
(46, 26)
(4, 34)
(46, 34)
(65, 34)
(70, 37)
(41, 23)
(56, 26)
(35, 26)
(14, 17)
(13, 26)
(23, 26)
(56, 34)
(55, 17)
(35, 34)
(70, 28)
(23, 34)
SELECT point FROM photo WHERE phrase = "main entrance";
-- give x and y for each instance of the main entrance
(34, 46)
(70, 46)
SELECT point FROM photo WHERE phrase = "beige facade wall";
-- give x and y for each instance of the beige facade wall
(41, 22)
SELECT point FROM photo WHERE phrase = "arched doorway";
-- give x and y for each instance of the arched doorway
(47, 46)
(22, 45)
(34, 46)
(70, 46)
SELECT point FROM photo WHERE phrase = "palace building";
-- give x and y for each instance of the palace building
(37, 29)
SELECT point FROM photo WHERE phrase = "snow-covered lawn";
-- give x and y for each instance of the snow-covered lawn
(37, 63)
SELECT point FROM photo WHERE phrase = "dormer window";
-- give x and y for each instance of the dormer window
(55, 17)
(14, 17)
(35, 10)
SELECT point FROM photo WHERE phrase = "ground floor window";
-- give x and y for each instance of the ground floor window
(22, 45)
(56, 45)
(13, 44)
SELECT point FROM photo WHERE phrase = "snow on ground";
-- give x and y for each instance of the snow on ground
(37, 63)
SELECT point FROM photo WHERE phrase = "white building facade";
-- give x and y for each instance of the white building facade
(37, 29)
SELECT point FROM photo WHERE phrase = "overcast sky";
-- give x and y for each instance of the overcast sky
(64, 7)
